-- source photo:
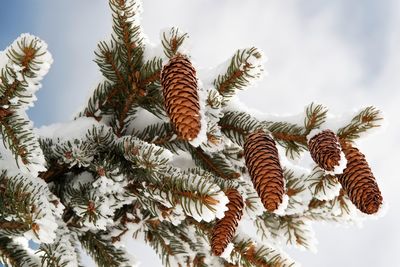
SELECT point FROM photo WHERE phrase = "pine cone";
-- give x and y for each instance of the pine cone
(262, 161)
(225, 228)
(181, 99)
(358, 181)
(325, 150)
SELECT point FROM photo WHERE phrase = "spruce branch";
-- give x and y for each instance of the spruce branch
(215, 163)
(237, 125)
(85, 203)
(29, 61)
(60, 253)
(243, 69)
(9, 86)
(102, 251)
(297, 189)
(366, 119)
(288, 135)
(173, 190)
(101, 102)
(167, 246)
(298, 232)
(338, 209)
(150, 72)
(17, 136)
(323, 186)
(172, 41)
(161, 134)
(15, 254)
(142, 154)
(119, 179)
(250, 254)
(127, 32)
(18, 201)
(315, 117)
(292, 230)
(107, 58)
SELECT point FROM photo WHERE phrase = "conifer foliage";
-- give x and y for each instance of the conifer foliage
(163, 155)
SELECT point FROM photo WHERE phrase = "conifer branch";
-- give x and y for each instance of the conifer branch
(291, 136)
(18, 202)
(244, 67)
(315, 117)
(323, 186)
(61, 252)
(365, 120)
(153, 101)
(161, 134)
(215, 164)
(172, 41)
(29, 60)
(109, 63)
(102, 251)
(26, 55)
(127, 32)
(119, 179)
(14, 254)
(150, 72)
(12, 129)
(101, 102)
(237, 125)
(8, 91)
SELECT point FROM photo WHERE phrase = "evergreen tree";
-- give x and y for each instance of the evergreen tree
(165, 155)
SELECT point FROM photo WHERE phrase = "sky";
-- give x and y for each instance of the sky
(343, 54)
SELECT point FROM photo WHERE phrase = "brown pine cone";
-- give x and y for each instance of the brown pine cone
(181, 99)
(262, 161)
(358, 181)
(325, 149)
(225, 228)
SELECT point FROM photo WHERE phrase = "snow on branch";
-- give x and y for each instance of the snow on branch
(245, 68)
(12, 253)
(177, 193)
(145, 155)
(288, 135)
(27, 208)
(323, 186)
(18, 136)
(248, 253)
(216, 163)
(365, 120)
(237, 125)
(172, 41)
(28, 61)
(315, 116)
(103, 252)
(287, 230)
(297, 190)
(127, 31)
(61, 252)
